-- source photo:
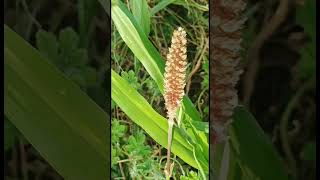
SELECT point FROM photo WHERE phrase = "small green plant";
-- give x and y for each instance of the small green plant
(191, 176)
(65, 53)
(134, 158)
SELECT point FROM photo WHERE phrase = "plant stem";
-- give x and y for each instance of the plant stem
(24, 167)
(168, 165)
(224, 168)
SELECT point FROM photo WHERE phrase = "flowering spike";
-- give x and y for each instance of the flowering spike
(174, 83)
(225, 34)
(175, 73)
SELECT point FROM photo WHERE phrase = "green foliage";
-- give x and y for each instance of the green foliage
(53, 113)
(11, 134)
(187, 4)
(118, 130)
(140, 111)
(143, 49)
(140, 11)
(191, 176)
(306, 16)
(309, 152)
(67, 56)
(86, 11)
(136, 146)
(141, 162)
(153, 86)
(161, 5)
(205, 74)
(117, 133)
(137, 41)
(131, 78)
(253, 150)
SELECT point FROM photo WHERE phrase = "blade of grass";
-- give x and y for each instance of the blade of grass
(161, 5)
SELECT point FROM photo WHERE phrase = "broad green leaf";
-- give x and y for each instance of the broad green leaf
(253, 148)
(63, 124)
(143, 49)
(196, 152)
(201, 126)
(140, 112)
(140, 11)
(198, 143)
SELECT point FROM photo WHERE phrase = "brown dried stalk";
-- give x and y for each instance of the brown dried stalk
(225, 33)
(174, 83)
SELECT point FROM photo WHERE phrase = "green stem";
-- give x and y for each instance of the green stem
(168, 165)
(224, 168)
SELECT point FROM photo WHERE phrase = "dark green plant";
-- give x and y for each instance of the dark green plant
(66, 54)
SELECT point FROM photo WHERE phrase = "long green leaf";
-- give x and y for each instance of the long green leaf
(140, 11)
(254, 150)
(138, 42)
(140, 111)
(56, 117)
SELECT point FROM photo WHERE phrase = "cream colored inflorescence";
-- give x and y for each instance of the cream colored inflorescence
(174, 83)
(175, 73)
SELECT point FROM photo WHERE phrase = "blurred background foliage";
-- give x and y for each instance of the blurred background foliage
(284, 87)
(73, 35)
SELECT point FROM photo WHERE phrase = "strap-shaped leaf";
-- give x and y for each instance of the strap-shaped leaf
(67, 128)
